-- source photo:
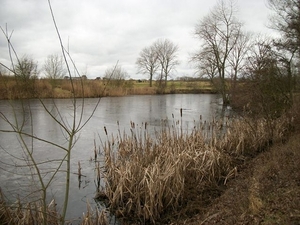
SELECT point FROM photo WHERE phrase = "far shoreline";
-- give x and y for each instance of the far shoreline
(12, 89)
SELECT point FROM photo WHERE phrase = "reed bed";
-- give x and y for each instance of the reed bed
(31, 213)
(92, 217)
(27, 214)
(148, 176)
(247, 137)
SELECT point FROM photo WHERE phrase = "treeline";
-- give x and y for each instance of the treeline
(255, 73)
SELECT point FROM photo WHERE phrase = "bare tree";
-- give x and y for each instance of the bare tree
(167, 56)
(265, 88)
(26, 68)
(237, 58)
(3, 70)
(115, 75)
(219, 32)
(54, 67)
(147, 62)
(26, 72)
(286, 20)
(206, 66)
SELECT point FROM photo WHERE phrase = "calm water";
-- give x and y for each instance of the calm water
(16, 179)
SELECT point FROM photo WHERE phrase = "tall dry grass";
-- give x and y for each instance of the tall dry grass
(248, 137)
(31, 213)
(148, 176)
(12, 88)
(142, 91)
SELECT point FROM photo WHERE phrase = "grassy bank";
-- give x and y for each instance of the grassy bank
(11, 88)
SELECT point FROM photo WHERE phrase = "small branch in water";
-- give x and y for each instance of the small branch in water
(95, 151)
(78, 174)
(79, 171)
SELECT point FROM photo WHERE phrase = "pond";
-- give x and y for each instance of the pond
(113, 113)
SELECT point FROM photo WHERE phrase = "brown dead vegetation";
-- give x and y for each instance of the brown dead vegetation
(265, 191)
(177, 173)
(12, 88)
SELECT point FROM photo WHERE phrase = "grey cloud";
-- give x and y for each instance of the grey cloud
(101, 32)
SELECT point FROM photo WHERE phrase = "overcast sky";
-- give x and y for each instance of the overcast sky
(101, 32)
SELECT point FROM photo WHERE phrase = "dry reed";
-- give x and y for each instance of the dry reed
(97, 217)
(148, 176)
(30, 213)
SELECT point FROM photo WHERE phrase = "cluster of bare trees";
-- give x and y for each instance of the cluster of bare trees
(54, 67)
(26, 68)
(115, 75)
(25, 71)
(223, 46)
(161, 58)
(229, 54)
(268, 66)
